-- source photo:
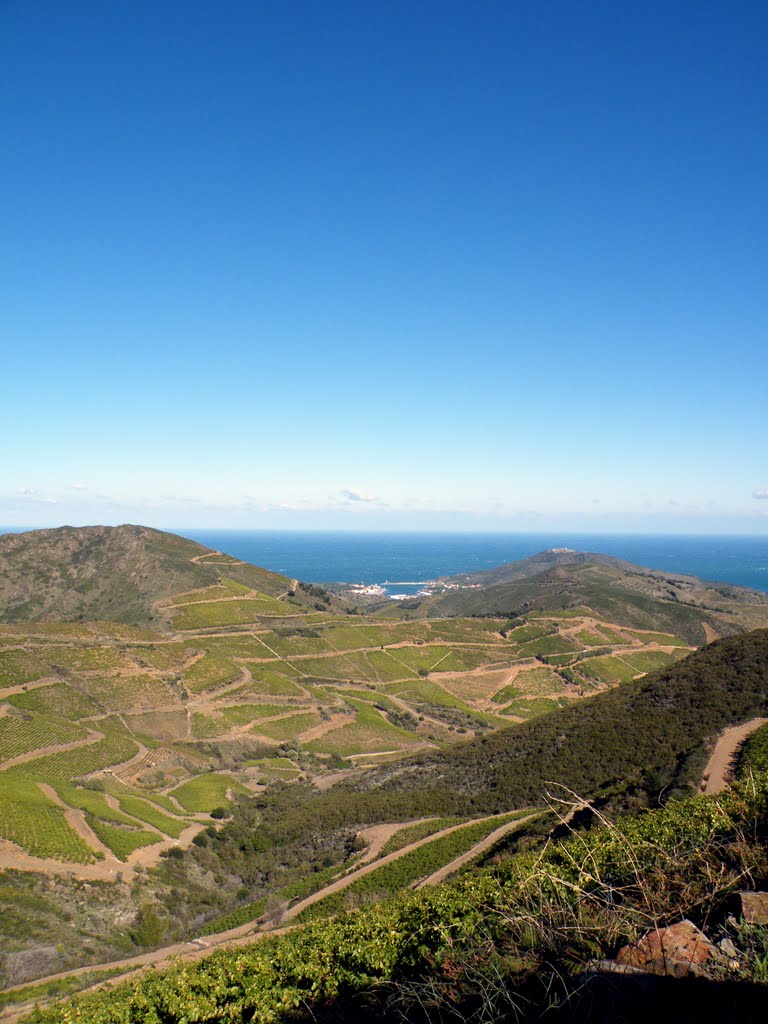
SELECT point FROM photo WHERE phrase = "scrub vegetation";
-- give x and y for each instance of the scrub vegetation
(225, 764)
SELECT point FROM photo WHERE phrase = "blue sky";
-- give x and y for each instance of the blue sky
(342, 265)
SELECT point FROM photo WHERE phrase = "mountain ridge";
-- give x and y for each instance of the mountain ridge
(110, 573)
(533, 565)
(645, 598)
(202, 727)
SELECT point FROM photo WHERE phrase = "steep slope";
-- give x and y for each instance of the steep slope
(643, 598)
(668, 715)
(109, 573)
(524, 941)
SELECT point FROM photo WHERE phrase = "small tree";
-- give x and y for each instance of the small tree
(275, 911)
(150, 928)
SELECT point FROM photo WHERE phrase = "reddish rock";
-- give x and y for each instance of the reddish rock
(677, 951)
(754, 907)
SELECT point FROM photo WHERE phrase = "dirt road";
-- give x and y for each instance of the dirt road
(252, 931)
(485, 844)
(347, 880)
(54, 748)
(718, 773)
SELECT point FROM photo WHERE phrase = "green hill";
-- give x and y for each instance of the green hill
(517, 942)
(253, 693)
(669, 715)
(671, 718)
(615, 590)
(109, 573)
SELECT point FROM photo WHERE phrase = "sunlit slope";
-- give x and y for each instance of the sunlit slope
(192, 718)
(647, 599)
(650, 733)
(518, 934)
(110, 573)
(252, 678)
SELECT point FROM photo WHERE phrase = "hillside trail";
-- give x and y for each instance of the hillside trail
(710, 634)
(324, 782)
(376, 837)
(249, 595)
(159, 959)
(244, 934)
(109, 869)
(630, 647)
(373, 865)
(718, 772)
(13, 858)
(222, 559)
(291, 588)
(76, 820)
(400, 703)
(149, 856)
(10, 691)
(316, 732)
(480, 847)
(593, 622)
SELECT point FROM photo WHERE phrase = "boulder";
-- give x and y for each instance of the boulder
(676, 951)
(754, 907)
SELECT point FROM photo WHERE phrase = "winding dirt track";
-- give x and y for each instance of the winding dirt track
(14, 859)
(485, 844)
(76, 820)
(253, 930)
(718, 772)
(376, 837)
(710, 634)
(373, 865)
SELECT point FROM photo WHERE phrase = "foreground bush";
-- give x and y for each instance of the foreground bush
(541, 915)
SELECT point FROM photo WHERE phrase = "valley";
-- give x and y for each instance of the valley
(255, 751)
(166, 728)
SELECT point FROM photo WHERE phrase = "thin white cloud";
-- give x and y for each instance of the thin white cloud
(33, 497)
(352, 494)
(761, 493)
(77, 487)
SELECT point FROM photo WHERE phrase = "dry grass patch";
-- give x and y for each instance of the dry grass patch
(474, 686)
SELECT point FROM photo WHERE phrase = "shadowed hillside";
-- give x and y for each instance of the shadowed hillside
(668, 715)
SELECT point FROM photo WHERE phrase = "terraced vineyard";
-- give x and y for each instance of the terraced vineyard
(411, 867)
(253, 686)
(205, 793)
(81, 762)
(121, 841)
(36, 824)
(22, 733)
(125, 752)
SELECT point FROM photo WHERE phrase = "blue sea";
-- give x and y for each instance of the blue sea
(402, 561)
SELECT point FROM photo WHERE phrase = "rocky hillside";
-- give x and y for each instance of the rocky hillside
(113, 573)
(643, 598)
